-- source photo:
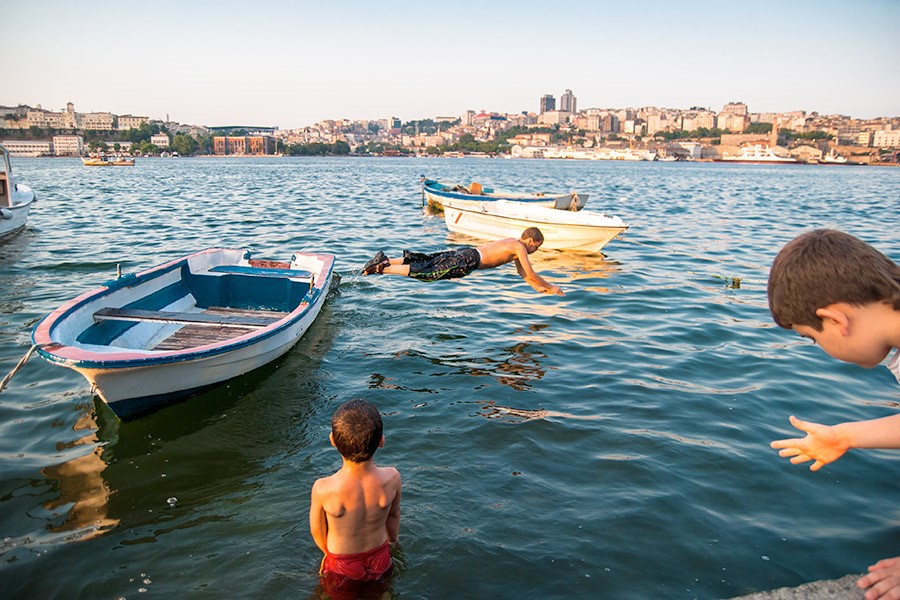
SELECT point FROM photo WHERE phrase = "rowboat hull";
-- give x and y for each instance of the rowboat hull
(157, 337)
(437, 193)
(562, 230)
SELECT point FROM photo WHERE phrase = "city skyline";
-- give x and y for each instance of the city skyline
(291, 66)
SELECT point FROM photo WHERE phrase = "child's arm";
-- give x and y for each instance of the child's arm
(825, 444)
(527, 272)
(318, 523)
(393, 519)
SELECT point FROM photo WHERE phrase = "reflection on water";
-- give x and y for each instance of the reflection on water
(83, 493)
(518, 370)
(491, 410)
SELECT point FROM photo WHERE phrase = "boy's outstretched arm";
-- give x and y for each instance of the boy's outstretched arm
(824, 444)
(527, 272)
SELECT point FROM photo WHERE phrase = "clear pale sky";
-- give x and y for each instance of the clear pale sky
(292, 63)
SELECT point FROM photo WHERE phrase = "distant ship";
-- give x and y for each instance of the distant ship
(833, 158)
(758, 154)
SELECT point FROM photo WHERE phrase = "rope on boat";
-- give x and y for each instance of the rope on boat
(21, 364)
(732, 282)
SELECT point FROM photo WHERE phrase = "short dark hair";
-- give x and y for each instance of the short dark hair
(826, 266)
(533, 233)
(357, 430)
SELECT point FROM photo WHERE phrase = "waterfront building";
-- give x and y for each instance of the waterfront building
(568, 102)
(160, 140)
(554, 117)
(548, 103)
(100, 121)
(733, 117)
(657, 122)
(45, 119)
(632, 127)
(523, 119)
(127, 122)
(886, 139)
(27, 147)
(68, 145)
(694, 149)
(701, 119)
(241, 145)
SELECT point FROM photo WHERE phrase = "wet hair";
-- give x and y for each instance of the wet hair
(533, 233)
(823, 267)
(357, 429)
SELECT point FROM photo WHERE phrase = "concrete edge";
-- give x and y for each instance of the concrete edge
(833, 589)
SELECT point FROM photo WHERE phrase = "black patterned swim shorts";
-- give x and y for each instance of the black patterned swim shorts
(449, 264)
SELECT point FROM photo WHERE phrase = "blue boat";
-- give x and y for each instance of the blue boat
(150, 339)
(436, 193)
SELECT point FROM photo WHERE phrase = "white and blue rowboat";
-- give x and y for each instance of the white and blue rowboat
(437, 193)
(15, 199)
(150, 339)
(562, 230)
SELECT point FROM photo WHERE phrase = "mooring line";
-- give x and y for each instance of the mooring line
(18, 366)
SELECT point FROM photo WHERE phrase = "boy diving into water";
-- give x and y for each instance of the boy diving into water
(452, 264)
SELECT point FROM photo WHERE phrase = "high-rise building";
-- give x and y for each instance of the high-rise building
(568, 101)
(548, 103)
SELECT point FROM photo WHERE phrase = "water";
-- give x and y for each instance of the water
(612, 443)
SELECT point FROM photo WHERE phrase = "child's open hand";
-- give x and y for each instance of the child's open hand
(822, 444)
(883, 580)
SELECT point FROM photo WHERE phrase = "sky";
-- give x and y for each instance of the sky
(292, 63)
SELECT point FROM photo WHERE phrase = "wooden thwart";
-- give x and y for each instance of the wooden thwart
(243, 321)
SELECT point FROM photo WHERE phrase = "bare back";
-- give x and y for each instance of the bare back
(501, 252)
(360, 507)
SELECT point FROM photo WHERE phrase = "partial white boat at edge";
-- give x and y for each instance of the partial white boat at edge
(15, 199)
(562, 230)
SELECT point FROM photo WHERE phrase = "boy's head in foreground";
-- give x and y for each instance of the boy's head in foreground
(356, 430)
(831, 286)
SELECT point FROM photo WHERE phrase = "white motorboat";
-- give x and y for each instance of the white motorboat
(562, 230)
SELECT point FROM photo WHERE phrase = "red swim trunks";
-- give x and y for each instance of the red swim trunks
(370, 565)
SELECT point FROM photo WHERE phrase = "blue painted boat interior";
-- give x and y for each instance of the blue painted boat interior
(243, 289)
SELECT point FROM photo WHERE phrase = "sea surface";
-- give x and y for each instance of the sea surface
(611, 443)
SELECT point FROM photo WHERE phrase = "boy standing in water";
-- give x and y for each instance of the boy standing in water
(354, 514)
(845, 296)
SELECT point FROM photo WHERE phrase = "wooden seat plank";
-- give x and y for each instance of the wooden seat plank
(202, 319)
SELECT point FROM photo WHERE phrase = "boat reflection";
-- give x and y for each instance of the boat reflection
(83, 493)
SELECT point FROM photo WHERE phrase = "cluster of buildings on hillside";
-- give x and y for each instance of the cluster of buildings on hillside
(596, 127)
(588, 128)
